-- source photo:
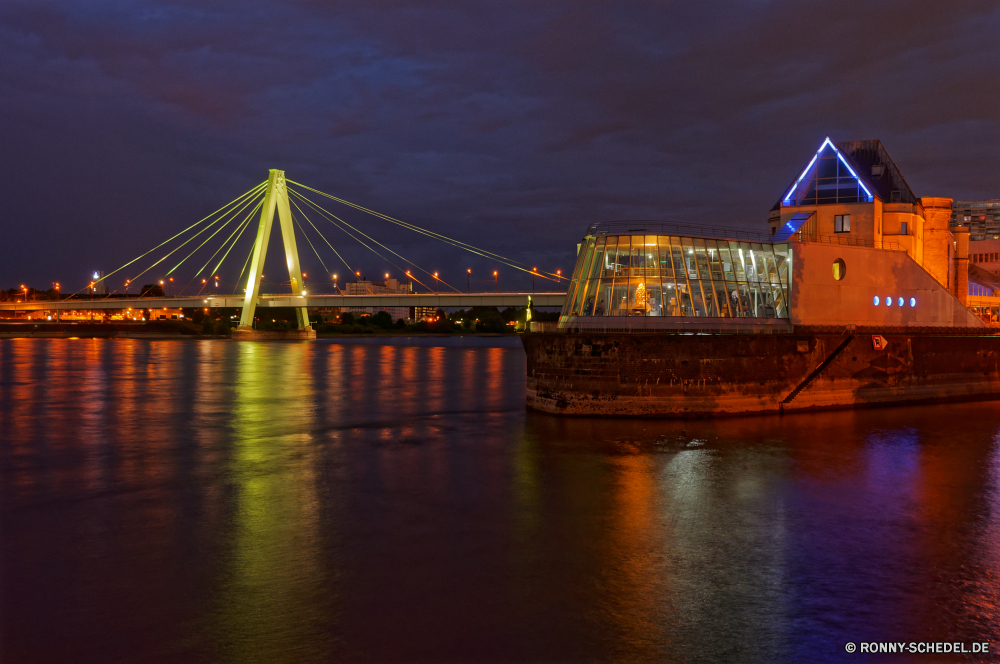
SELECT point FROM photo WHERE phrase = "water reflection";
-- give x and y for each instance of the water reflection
(212, 501)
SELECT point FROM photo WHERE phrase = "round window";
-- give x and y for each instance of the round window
(839, 269)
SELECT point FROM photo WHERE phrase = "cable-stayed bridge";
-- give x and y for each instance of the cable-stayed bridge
(442, 300)
(277, 194)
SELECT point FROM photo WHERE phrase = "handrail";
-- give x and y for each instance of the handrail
(657, 227)
(845, 240)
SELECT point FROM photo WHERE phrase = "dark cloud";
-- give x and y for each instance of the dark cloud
(508, 125)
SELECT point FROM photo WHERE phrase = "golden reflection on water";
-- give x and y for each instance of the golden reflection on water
(321, 501)
(267, 602)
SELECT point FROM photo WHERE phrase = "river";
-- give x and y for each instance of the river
(392, 500)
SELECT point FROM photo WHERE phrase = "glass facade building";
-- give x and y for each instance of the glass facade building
(673, 275)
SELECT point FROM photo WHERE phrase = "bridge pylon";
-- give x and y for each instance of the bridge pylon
(276, 197)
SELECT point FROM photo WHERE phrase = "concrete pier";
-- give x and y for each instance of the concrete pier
(249, 334)
(693, 376)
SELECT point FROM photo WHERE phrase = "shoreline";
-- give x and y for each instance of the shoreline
(175, 330)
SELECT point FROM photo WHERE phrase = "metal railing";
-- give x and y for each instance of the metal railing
(654, 227)
(845, 240)
(623, 328)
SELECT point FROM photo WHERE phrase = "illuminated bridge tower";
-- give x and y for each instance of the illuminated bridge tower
(276, 196)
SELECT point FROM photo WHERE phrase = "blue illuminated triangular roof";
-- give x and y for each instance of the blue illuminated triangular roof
(855, 171)
(828, 178)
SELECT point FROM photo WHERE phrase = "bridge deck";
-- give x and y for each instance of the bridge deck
(443, 300)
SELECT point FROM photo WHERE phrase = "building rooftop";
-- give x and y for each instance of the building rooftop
(875, 168)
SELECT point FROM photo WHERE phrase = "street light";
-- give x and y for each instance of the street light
(468, 280)
(334, 281)
(435, 282)
(216, 284)
(496, 282)
(161, 287)
(171, 286)
(534, 270)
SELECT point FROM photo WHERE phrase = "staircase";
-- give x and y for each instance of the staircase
(818, 370)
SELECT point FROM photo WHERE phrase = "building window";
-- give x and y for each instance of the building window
(902, 228)
(839, 269)
(842, 223)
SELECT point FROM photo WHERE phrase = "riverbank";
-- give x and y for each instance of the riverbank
(94, 330)
(179, 330)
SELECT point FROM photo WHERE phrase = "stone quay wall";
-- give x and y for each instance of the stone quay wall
(696, 376)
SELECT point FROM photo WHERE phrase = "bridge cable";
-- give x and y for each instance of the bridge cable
(246, 224)
(457, 243)
(398, 267)
(108, 296)
(240, 278)
(309, 241)
(224, 207)
(240, 228)
(321, 235)
(191, 239)
(218, 230)
(330, 214)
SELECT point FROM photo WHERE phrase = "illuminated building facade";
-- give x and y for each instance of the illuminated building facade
(982, 218)
(853, 193)
(627, 270)
(849, 244)
(365, 287)
(424, 313)
(985, 254)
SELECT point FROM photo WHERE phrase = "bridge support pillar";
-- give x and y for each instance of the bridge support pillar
(276, 197)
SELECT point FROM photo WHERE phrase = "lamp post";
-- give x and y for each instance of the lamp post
(161, 288)
(435, 282)
(533, 271)
(335, 282)
(468, 281)
(216, 284)
(171, 286)
(496, 282)
(127, 282)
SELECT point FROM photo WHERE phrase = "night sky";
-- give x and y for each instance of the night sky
(507, 125)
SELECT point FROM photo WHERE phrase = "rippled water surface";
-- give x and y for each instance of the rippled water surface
(186, 501)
